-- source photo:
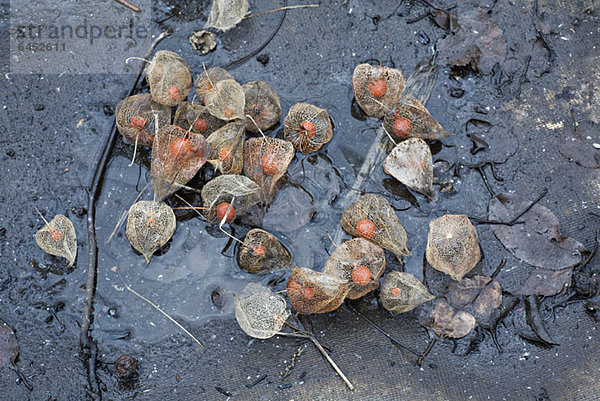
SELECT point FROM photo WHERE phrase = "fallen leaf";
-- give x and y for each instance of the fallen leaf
(58, 238)
(9, 347)
(261, 253)
(225, 189)
(150, 225)
(260, 312)
(477, 42)
(307, 127)
(373, 218)
(452, 245)
(359, 262)
(177, 155)
(536, 242)
(169, 78)
(410, 162)
(479, 295)
(402, 292)
(575, 148)
(314, 292)
(449, 321)
(225, 14)
(545, 282)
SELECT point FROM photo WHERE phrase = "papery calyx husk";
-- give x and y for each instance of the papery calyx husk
(384, 228)
(150, 225)
(410, 119)
(226, 101)
(377, 89)
(402, 292)
(193, 117)
(139, 117)
(314, 292)
(58, 238)
(266, 160)
(359, 262)
(168, 76)
(244, 193)
(177, 155)
(410, 162)
(452, 245)
(260, 312)
(225, 14)
(308, 127)
(206, 81)
(261, 252)
(227, 148)
(262, 104)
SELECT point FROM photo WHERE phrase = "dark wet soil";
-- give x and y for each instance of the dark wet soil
(47, 161)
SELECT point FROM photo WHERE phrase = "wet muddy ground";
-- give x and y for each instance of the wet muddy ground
(527, 104)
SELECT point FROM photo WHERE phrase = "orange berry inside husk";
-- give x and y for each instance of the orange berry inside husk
(174, 92)
(200, 125)
(401, 127)
(269, 163)
(259, 250)
(222, 209)
(228, 112)
(138, 122)
(224, 154)
(395, 291)
(308, 293)
(378, 88)
(361, 275)
(181, 148)
(366, 228)
(55, 234)
(307, 129)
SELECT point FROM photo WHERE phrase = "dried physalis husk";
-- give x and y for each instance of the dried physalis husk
(177, 155)
(219, 192)
(377, 89)
(206, 81)
(359, 262)
(260, 312)
(308, 127)
(195, 118)
(169, 78)
(139, 117)
(410, 119)
(261, 252)
(58, 238)
(150, 225)
(410, 162)
(225, 14)
(226, 101)
(313, 292)
(479, 295)
(452, 245)
(227, 148)
(266, 160)
(402, 292)
(373, 218)
(449, 321)
(262, 104)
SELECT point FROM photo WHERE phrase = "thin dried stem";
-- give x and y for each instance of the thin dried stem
(224, 219)
(259, 130)
(160, 310)
(332, 241)
(281, 9)
(129, 6)
(43, 218)
(134, 149)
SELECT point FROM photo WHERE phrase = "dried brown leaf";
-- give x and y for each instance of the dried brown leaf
(9, 346)
(449, 321)
(546, 282)
(479, 295)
